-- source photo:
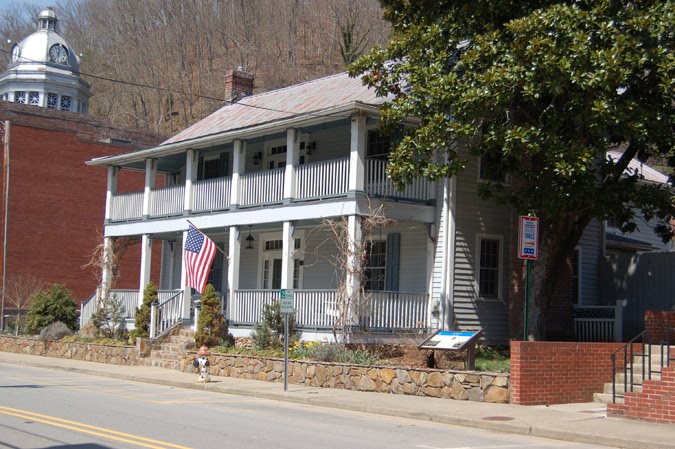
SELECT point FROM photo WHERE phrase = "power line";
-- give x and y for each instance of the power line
(167, 89)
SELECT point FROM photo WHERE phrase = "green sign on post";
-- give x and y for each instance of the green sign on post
(286, 297)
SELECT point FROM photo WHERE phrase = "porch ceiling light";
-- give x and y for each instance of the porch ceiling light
(249, 239)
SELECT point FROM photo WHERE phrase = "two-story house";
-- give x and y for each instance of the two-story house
(261, 176)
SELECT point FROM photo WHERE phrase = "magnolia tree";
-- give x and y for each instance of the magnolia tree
(545, 88)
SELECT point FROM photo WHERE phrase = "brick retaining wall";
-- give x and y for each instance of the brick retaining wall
(660, 325)
(544, 373)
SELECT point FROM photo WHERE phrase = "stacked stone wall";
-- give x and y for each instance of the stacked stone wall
(89, 352)
(462, 385)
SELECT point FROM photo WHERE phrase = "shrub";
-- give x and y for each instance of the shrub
(270, 333)
(142, 316)
(109, 320)
(333, 352)
(49, 305)
(212, 327)
(55, 331)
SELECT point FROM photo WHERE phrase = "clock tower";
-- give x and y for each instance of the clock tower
(45, 71)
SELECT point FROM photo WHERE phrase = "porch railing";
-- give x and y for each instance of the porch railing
(87, 309)
(262, 187)
(379, 184)
(168, 313)
(395, 310)
(322, 179)
(212, 194)
(599, 323)
(167, 200)
(127, 206)
(129, 299)
(317, 309)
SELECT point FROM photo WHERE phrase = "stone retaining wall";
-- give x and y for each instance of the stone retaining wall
(463, 385)
(90, 352)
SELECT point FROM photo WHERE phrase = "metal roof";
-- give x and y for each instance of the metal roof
(645, 170)
(300, 99)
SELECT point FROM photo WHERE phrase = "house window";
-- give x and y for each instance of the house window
(491, 167)
(52, 101)
(378, 145)
(489, 268)
(66, 102)
(34, 99)
(576, 276)
(375, 265)
(278, 245)
(20, 97)
(213, 166)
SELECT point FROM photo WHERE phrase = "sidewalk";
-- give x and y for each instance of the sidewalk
(584, 423)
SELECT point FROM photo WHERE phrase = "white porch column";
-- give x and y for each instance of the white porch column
(292, 162)
(111, 191)
(187, 291)
(357, 155)
(354, 266)
(150, 178)
(233, 259)
(288, 254)
(146, 264)
(106, 269)
(238, 163)
(191, 161)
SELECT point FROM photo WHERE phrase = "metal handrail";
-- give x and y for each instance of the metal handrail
(645, 339)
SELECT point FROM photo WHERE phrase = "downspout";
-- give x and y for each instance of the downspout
(4, 233)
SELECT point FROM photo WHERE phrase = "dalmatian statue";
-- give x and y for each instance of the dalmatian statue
(202, 364)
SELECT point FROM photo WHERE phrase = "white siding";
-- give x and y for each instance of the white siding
(476, 216)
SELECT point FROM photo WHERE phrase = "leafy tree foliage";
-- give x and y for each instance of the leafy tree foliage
(545, 87)
(142, 315)
(49, 305)
(212, 326)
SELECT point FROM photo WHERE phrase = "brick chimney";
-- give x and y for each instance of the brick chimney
(238, 84)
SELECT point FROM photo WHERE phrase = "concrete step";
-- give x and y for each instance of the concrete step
(637, 377)
(605, 398)
(607, 389)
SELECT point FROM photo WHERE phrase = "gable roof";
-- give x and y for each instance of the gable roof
(635, 166)
(309, 98)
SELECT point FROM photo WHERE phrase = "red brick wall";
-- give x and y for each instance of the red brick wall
(656, 401)
(544, 373)
(660, 325)
(56, 202)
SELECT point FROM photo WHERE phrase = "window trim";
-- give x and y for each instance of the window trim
(500, 267)
(303, 140)
(263, 255)
(506, 181)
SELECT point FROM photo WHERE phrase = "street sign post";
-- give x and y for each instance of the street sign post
(528, 249)
(286, 307)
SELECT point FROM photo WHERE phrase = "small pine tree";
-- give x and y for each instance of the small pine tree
(142, 317)
(270, 333)
(50, 305)
(212, 326)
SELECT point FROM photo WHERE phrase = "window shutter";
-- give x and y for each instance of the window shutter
(393, 255)
(217, 270)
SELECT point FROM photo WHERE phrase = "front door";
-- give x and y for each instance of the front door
(272, 274)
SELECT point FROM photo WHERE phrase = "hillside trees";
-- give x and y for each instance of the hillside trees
(184, 47)
(543, 89)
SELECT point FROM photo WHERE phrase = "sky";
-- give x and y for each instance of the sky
(41, 3)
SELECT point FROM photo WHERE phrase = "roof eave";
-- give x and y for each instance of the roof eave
(310, 118)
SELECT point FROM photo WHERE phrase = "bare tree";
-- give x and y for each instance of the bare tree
(106, 259)
(349, 259)
(19, 291)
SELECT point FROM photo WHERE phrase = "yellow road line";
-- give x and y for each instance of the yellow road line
(89, 429)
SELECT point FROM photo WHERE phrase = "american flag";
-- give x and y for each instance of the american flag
(199, 254)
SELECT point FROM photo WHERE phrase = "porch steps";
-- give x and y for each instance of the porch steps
(606, 396)
(171, 352)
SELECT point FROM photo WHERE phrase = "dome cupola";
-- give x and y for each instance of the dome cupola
(45, 71)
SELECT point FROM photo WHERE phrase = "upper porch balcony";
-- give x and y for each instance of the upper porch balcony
(312, 181)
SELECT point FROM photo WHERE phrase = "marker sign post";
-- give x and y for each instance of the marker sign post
(286, 307)
(454, 341)
(528, 249)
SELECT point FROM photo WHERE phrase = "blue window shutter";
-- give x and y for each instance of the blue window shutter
(393, 256)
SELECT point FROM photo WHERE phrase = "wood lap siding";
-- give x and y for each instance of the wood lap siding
(476, 216)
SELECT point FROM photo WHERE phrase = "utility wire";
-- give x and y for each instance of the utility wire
(167, 89)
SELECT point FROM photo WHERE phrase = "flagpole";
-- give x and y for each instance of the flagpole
(217, 247)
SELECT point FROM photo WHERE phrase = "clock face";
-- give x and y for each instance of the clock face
(15, 53)
(58, 54)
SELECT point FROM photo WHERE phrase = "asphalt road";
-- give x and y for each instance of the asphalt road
(42, 408)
